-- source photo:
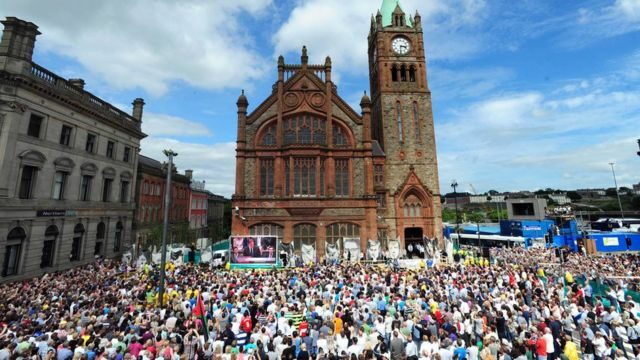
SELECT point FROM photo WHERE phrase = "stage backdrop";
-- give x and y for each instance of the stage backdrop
(257, 249)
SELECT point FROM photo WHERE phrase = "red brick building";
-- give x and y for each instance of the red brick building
(198, 205)
(313, 171)
(150, 187)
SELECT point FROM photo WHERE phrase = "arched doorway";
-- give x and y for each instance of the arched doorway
(413, 243)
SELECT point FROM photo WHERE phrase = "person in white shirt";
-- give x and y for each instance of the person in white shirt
(355, 348)
(411, 350)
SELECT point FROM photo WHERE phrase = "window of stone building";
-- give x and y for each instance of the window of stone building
(381, 200)
(336, 232)
(90, 146)
(394, 73)
(269, 137)
(76, 245)
(59, 184)
(412, 73)
(340, 138)
(342, 177)
(106, 190)
(416, 121)
(35, 125)
(267, 229)
(101, 233)
(12, 253)
(110, 149)
(65, 135)
(85, 187)
(305, 129)
(304, 234)
(127, 154)
(378, 175)
(49, 246)
(27, 182)
(322, 174)
(124, 191)
(412, 207)
(399, 120)
(117, 241)
(287, 179)
(304, 177)
(266, 176)
(403, 73)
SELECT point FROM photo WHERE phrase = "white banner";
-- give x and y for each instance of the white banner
(610, 241)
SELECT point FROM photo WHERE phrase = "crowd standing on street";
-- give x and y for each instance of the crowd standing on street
(522, 305)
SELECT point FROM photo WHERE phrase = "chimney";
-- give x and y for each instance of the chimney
(189, 174)
(18, 40)
(79, 83)
(138, 104)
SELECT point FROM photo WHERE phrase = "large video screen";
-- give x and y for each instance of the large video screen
(253, 249)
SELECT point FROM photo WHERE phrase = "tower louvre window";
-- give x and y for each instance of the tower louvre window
(399, 119)
(412, 73)
(394, 73)
(403, 73)
(416, 122)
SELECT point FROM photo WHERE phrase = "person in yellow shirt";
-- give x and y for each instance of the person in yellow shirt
(570, 349)
(337, 324)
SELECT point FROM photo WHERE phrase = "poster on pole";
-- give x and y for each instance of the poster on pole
(253, 249)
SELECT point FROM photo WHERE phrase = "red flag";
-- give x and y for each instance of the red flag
(198, 310)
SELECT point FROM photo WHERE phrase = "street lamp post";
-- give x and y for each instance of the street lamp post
(454, 185)
(615, 182)
(165, 226)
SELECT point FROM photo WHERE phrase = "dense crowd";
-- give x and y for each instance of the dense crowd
(523, 305)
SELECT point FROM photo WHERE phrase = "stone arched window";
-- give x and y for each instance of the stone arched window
(13, 251)
(269, 136)
(399, 121)
(267, 229)
(76, 245)
(49, 246)
(403, 73)
(336, 232)
(117, 239)
(305, 129)
(412, 73)
(394, 73)
(101, 234)
(412, 206)
(304, 234)
(340, 137)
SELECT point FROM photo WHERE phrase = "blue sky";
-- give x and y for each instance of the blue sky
(527, 94)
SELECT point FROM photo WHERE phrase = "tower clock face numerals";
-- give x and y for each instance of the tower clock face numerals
(401, 46)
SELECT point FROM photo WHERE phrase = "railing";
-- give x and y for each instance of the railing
(41, 74)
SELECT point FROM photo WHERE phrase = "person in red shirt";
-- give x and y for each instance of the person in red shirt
(303, 328)
(246, 324)
(541, 346)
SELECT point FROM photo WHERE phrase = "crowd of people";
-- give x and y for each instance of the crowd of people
(522, 305)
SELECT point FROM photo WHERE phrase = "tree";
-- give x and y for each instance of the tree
(574, 196)
(611, 192)
(493, 192)
(635, 202)
(476, 217)
(448, 215)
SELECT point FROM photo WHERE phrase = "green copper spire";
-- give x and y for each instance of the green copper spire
(387, 8)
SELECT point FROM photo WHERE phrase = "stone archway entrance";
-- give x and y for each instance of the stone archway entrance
(413, 243)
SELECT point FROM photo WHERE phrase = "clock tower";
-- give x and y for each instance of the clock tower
(402, 124)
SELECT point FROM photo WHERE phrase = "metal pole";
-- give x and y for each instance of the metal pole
(454, 185)
(165, 226)
(615, 182)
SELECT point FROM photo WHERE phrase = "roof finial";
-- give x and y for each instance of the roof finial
(304, 58)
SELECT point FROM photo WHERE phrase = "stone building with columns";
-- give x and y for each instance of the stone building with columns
(68, 163)
(314, 172)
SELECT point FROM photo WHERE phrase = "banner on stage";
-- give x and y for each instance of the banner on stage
(254, 249)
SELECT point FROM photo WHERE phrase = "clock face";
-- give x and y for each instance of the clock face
(400, 45)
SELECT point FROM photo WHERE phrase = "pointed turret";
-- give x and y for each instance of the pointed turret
(417, 21)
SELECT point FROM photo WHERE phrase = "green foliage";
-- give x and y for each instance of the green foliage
(495, 215)
(635, 202)
(476, 217)
(574, 196)
(448, 215)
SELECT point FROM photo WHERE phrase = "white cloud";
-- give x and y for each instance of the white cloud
(214, 163)
(630, 8)
(530, 139)
(154, 124)
(150, 44)
(338, 28)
